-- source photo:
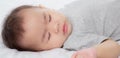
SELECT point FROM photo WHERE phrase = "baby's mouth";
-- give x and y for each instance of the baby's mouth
(65, 28)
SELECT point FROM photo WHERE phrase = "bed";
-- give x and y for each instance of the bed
(7, 6)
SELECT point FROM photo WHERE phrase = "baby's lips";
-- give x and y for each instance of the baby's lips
(85, 53)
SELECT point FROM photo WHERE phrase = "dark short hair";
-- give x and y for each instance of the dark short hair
(12, 30)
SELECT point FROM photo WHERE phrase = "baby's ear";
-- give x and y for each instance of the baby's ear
(41, 6)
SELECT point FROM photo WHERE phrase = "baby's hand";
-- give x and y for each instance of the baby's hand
(85, 53)
(79, 56)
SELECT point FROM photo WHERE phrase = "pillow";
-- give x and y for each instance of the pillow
(55, 53)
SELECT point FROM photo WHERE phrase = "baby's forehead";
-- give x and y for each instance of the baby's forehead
(27, 11)
(32, 18)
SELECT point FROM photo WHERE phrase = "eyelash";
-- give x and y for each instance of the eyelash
(49, 35)
(49, 18)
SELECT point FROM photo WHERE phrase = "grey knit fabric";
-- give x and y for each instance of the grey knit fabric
(93, 21)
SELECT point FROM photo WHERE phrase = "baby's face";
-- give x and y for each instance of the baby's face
(44, 29)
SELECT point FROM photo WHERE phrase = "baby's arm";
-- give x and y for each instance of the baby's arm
(107, 49)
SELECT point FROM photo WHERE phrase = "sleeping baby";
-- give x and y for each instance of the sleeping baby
(91, 27)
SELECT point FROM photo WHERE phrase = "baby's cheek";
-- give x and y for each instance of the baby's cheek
(85, 53)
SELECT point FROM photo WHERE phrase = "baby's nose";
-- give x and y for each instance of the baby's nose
(54, 28)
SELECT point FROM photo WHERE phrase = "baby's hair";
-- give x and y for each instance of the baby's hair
(12, 29)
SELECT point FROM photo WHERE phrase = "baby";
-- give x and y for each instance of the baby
(36, 28)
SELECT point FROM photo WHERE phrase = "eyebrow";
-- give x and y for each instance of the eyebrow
(44, 17)
(44, 33)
